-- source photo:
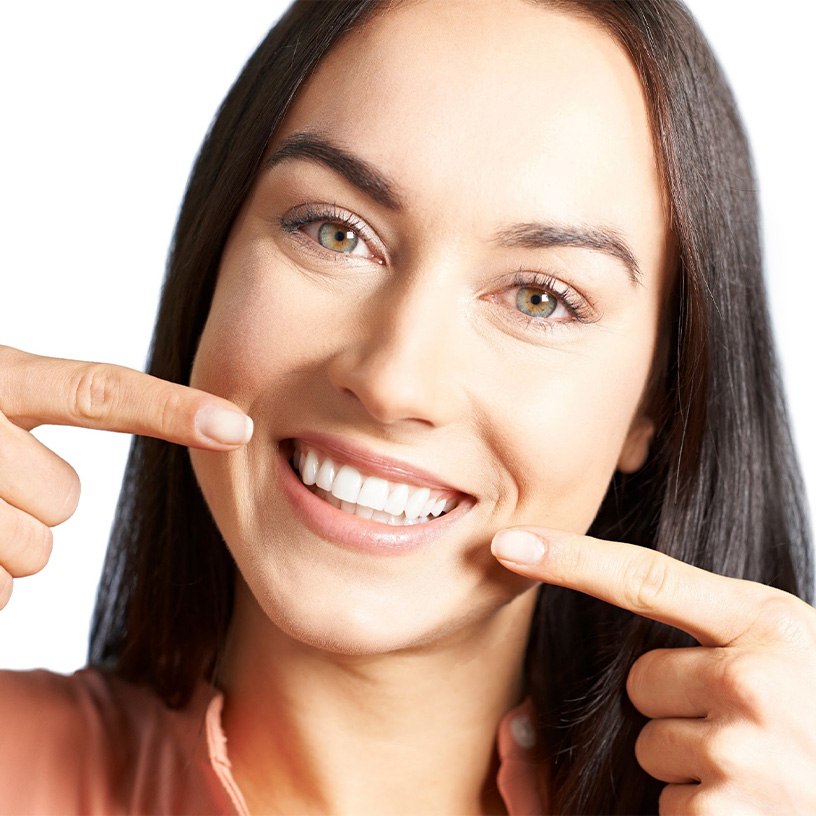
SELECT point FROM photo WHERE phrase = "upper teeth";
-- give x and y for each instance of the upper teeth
(347, 484)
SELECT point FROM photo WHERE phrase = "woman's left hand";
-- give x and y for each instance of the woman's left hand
(732, 724)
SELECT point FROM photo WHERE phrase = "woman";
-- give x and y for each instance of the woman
(499, 308)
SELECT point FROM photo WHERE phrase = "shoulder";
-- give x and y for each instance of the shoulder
(93, 743)
(61, 711)
(47, 733)
(40, 708)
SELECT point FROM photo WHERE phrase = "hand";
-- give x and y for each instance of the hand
(38, 490)
(733, 721)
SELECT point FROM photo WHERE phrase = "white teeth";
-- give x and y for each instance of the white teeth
(363, 512)
(373, 493)
(369, 497)
(308, 467)
(347, 484)
(416, 501)
(395, 504)
(428, 506)
(326, 474)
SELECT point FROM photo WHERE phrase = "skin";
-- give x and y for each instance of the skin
(398, 653)
(342, 666)
(731, 721)
(573, 149)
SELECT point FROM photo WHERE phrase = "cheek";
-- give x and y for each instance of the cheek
(259, 331)
(242, 357)
(562, 446)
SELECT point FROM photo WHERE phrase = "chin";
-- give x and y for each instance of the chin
(348, 617)
(350, 635)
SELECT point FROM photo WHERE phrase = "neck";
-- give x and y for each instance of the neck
(310, 731)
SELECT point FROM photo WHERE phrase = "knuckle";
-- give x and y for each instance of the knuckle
(171, 406)
(93, 392)
(646, 582)
(26, 545)
(41, 543)
(13, 531)
(742, 682)
(667, 801)
(644, 745)
(782, 617)
(69, 493)
(699, 802)
(675, 799)
(723, 752)
(637, 679)
(61, 492)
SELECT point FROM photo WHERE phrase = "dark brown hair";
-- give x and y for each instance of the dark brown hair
(721, 488)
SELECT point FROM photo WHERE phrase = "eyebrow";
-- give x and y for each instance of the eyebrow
(538, 234)
(371, 181)
(364, 176)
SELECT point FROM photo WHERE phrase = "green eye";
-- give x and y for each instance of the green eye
(535, 302)
(337, 237)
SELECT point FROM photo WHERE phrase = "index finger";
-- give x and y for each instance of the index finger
(36, 390)
(713, 609)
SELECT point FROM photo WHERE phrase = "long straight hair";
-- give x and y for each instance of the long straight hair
(721, 488)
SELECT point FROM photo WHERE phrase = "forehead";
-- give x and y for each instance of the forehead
(508, 105)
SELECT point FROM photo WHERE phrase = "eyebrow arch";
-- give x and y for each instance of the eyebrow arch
(312, 146)
(364, 176)
(540, 234)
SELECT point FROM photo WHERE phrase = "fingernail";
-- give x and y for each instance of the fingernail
(518, 546)
(224, 426)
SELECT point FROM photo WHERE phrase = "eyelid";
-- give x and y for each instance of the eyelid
(581, 309)
(309, 213)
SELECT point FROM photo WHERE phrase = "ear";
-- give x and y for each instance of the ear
(636, 446)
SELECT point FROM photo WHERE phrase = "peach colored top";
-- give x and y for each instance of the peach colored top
(91, 743)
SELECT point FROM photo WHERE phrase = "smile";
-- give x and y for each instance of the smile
(366, 495)
(418, 508)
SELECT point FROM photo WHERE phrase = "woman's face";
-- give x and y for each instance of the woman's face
(447, 273)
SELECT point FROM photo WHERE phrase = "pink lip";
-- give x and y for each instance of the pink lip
(373, 463)
(353, 532)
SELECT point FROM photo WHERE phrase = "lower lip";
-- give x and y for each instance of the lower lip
(355, 533)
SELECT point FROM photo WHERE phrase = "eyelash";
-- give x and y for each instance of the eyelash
(579, 307)
(309, 214)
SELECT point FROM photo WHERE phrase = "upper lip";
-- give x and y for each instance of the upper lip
(375, 464)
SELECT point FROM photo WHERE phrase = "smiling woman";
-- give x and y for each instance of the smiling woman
(516, 526)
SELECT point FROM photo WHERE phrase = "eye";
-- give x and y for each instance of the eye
(541, 303)
(336, 237)
(535, 302)
(328, 230)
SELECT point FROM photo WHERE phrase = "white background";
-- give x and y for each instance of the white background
(103, 109)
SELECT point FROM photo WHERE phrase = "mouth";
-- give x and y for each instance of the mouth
(367, 495)
(363, 501)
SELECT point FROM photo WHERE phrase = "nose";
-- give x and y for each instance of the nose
(401, 362)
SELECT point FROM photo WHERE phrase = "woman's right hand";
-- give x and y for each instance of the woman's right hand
(38, 489)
